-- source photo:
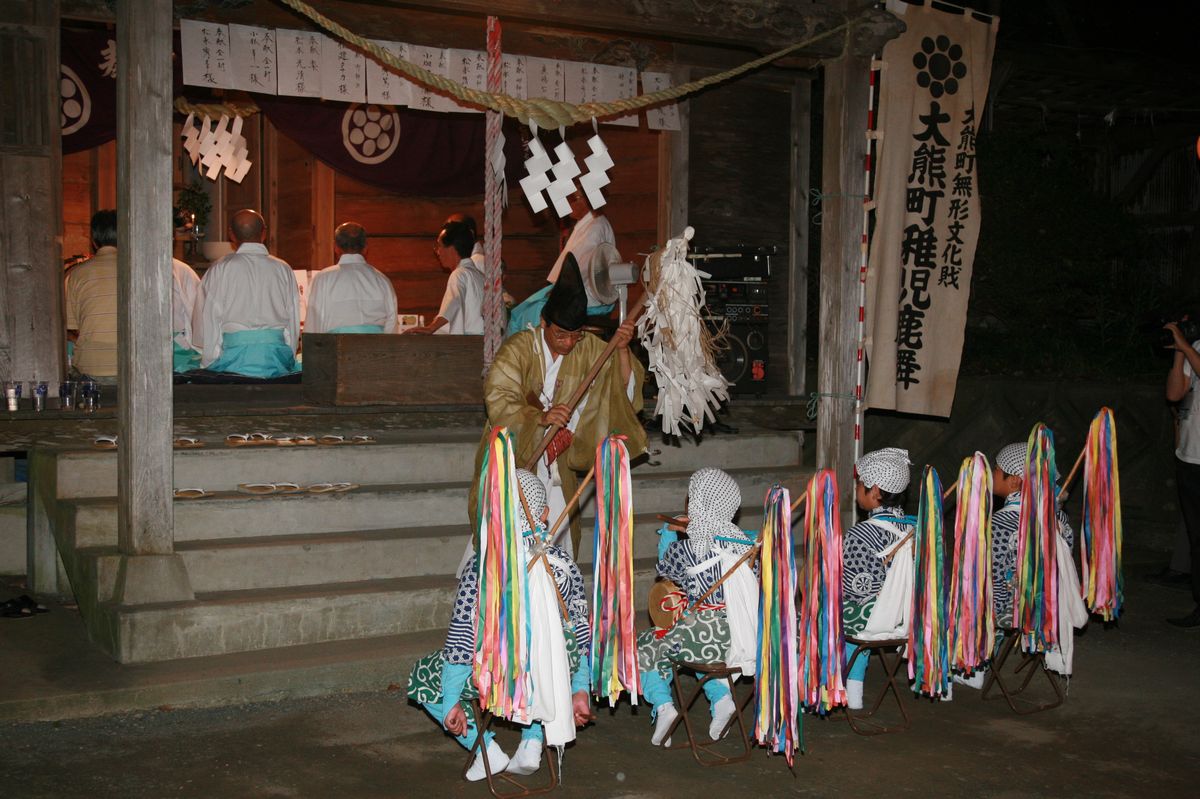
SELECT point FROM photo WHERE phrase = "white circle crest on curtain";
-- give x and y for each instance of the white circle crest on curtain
(76, 107)
(370, 133)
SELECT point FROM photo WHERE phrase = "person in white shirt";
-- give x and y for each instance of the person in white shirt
(351, 296)
(1183, 386)
(185, 286)
(591, 230)
(461, 312)
(247, 314)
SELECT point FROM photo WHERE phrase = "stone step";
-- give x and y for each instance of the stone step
(242, 621)
(345, 557)
(426, 456)
(374, 507)
(92, 684)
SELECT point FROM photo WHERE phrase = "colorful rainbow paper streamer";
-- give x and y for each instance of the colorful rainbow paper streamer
(1035, 588)
(821, 639)
(777, 688)
(928, 634)
(614, 640)
(972, 627)
(502, 635)
(1100, 550)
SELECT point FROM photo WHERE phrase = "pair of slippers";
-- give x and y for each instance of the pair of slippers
(22, 607)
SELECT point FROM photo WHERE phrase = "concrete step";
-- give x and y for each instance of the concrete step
(235, 564)
(242, 621)
(374, 507)
(399, 457)
(71, 679)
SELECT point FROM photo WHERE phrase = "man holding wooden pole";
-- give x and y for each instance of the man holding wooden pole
(560, 391)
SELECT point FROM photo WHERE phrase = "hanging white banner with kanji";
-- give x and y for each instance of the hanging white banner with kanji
(933, 87)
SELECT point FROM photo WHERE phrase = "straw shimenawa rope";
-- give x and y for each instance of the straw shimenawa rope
(215, 110)
(544, 112)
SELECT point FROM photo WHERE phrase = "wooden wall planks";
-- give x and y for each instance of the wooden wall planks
(739, 187)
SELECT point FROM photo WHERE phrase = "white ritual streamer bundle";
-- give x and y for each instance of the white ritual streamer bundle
(690, 386)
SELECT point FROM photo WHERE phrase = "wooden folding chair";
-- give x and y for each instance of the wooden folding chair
(704, 751)
(497, 780)
(889, 653)
(1031, 664)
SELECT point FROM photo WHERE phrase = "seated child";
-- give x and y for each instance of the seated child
(441, 681)
(714, 543)
(881, 479)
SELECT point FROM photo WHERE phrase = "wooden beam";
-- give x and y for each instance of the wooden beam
(842, 184)
(150, 571)
(322, 215)
(760, 25)
(31, 317)
(797, 311)
(673, 170)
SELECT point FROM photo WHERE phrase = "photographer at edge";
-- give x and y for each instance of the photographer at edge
(1183, 382)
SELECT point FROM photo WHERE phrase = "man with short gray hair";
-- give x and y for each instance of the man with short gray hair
(351, 296)
(247, 316)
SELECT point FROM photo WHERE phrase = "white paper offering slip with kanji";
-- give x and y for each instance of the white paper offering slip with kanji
(343, 73)
(205, 54)
(253, 59)
(663, 117)
(385, 87)
(547, 78)
(299, 55)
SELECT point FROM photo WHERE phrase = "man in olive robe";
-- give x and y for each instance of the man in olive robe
(533, 377)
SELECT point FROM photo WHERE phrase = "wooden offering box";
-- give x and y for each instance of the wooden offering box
(383, 369)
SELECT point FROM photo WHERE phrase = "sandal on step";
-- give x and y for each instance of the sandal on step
(188, 443)
(305, 441)
(237, 440)
(26, 601)
(331, 488)
(257, 488)
(332, 440)
(104, 442)
(192, 493)
(13, 609)
(363, 440)
(288, 488)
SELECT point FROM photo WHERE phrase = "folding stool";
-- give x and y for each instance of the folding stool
(702, 750)
(889, 653)
(483, 722)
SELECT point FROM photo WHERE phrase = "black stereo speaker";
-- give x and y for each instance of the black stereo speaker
(743, 361)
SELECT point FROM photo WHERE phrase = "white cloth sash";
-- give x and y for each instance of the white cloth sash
(549, 666)
(741, 611)
(1072, 613)
(890, 615)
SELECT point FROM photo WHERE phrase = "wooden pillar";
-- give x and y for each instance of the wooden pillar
(322, 215)
(150, 571)
(673, 170)
(31, 316)
(797, 319)
(843, 186)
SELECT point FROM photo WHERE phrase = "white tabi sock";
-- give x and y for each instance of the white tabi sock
(665, 717)
(723, 712)
(497, 761)
(527, 759)
(974, 681)
(854, 692)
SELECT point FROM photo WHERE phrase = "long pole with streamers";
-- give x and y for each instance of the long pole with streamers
(821, 639)
(972, 626)
(614, 639)
(777, 689)
(502, 635)
(1100, 549)
(1035, 590)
